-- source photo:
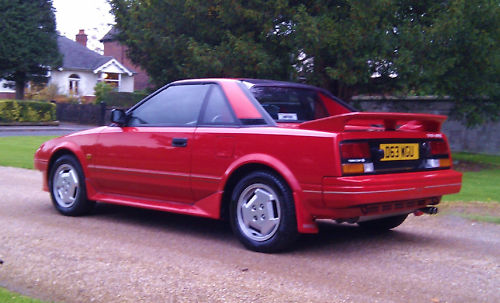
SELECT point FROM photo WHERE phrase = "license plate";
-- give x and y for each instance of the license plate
(399, 151)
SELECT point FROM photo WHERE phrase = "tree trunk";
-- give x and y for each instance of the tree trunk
(20, 83)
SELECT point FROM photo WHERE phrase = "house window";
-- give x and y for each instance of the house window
(74, 80)
(112, 79)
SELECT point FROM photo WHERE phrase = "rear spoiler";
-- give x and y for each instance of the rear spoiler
(382, 121)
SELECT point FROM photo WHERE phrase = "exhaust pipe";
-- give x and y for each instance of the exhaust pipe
(430, 210)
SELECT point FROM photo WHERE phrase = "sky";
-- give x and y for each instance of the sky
(91, 15)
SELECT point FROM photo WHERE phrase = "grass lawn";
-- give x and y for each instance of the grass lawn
(482, 184)
(7, 296)
(478, 158)
(19, 151)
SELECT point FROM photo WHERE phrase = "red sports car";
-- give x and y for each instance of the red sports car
(272, 157)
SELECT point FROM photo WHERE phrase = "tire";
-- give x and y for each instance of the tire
(383, 224)
(262, 212)
(67, 187)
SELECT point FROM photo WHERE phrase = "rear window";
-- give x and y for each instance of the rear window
(287, 104)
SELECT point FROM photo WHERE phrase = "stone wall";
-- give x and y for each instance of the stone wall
(480, 139)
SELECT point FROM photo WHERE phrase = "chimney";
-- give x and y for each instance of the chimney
(82, 38)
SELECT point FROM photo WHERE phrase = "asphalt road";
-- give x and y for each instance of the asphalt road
(63, 128)
(120, 254)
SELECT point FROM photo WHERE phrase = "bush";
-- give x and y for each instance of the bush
(26, 111)
(44, 93)
(102, 91)
(124, 100)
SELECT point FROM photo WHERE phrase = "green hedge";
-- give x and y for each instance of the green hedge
(124, 100)
(26, 111)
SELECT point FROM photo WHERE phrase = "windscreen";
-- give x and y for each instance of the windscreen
(290, 104)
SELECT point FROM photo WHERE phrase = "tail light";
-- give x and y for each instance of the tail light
(438, 154)
(438, 147)
(356, 158)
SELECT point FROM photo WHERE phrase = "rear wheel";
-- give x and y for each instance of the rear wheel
(263, 212)
(67, 187)
(383, 224)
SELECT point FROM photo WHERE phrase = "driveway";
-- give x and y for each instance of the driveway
(121, 254)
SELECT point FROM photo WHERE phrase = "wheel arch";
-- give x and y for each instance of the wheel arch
(72, 150)
(251, 163)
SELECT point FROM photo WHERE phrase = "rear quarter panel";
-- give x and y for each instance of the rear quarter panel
(301, 157)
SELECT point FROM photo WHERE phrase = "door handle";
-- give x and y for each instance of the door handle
(179, 142)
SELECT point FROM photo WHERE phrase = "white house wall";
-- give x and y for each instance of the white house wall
(6, 89)
(127, 84)
(88, 80)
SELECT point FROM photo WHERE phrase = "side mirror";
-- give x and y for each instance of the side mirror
(119, 117)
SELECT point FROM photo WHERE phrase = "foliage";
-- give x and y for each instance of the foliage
(185, 39)
(455, 51)
(102, 90)
(7, 296)
(125, 100)
(26, 111)
(342, 44)
(71, 98)
(43, 93)
(443, 48)
(477, 158)
(28, 41)
(104, 93)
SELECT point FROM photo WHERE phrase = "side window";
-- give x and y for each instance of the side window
(217, 111)
(289, 104)
(177, 105)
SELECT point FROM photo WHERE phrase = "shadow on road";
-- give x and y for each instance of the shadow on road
(333, 238)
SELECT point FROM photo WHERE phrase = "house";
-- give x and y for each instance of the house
(83, 68)
(7, 92)
(114, 49)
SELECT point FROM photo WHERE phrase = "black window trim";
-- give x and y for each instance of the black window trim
(266, 118)
(236, 123)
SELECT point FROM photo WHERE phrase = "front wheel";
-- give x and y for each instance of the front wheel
(67, 187)
(383, 224)
(263, 212)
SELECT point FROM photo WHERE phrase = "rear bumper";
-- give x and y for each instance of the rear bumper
(360, 190)
(359, 196)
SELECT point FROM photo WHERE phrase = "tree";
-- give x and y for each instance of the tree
(462, 58)
(184, 39)
(400, 47)
(425, 47)
(342, 44)
(28, 41)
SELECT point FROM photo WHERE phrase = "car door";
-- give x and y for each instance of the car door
(213, 144)
(150, 157)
